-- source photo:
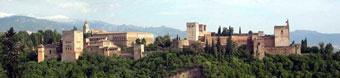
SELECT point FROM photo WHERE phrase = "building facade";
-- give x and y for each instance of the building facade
(125, 39)
(257, 43)
(72, 42)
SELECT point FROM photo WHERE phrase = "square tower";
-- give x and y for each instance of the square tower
(192, 31)
(281, 34)
(41, 55)
(72, 45)
(138, 51)
(202, 29)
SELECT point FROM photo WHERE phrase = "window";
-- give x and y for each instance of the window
(50, 52)
(281, 31)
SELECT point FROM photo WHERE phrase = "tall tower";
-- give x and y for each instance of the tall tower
(192, 31)
(86, 27)
(72, 45)
(41, 53)
(281, 34)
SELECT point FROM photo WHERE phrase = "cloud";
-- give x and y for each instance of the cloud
(58, 18)
(54, 17)
(82, 6)
(2, 14)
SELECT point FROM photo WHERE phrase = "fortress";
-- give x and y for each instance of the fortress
(73, 44)
(109, 43)
(258, 43)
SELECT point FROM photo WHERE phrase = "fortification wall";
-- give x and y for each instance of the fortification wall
(269, 41)
(239, 39)
(285, 50)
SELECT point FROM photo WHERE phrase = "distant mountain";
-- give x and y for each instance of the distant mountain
(30, 24)
(33, 24)
(314, 37)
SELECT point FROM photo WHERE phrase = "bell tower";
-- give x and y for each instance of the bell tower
(86, 27)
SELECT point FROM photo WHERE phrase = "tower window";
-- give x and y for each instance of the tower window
(281, 31)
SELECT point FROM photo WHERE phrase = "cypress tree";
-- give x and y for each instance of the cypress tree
(12, 52)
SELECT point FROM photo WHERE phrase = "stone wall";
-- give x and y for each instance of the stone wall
(239, 39)
(269, 41)
(284, 50)
(126, 39)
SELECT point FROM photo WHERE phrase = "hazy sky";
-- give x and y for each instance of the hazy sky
(319, 15)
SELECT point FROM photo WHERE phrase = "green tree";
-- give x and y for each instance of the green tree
(2, 72)
(138, 41)
(322, 47)
(219, 31)
(304, 46)
(315, 49)
(11, 63)
(207, 48)
(143, 41)
(74, 28)
(225, 31)
(329, 48)
(229, 45)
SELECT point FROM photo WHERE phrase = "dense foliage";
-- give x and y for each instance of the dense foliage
(214, 63)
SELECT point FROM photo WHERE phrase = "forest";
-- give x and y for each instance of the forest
(18, 60)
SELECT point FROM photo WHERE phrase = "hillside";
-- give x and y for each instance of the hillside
(314, 37)
(33, 24)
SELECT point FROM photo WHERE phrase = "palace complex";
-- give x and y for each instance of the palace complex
(73, 43)
(258, 43)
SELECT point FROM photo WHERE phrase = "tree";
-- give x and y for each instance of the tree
(225, 31)
(219, 31)
(315, 49)
(2, 72)
(11, 63)
(304, 46)
(75, 28)
(206, 48)
(322, 47)
(329, 48)
(143, 41)
(138, 41)
(212, 47)
(86, 35)
(229, 45)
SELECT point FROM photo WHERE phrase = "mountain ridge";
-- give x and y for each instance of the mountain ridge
(25, 23)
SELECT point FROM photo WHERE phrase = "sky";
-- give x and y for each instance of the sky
(256, 15)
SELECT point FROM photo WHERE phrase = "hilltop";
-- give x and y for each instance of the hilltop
(25, 23)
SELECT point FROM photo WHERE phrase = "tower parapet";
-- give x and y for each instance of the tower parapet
(192, 31)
